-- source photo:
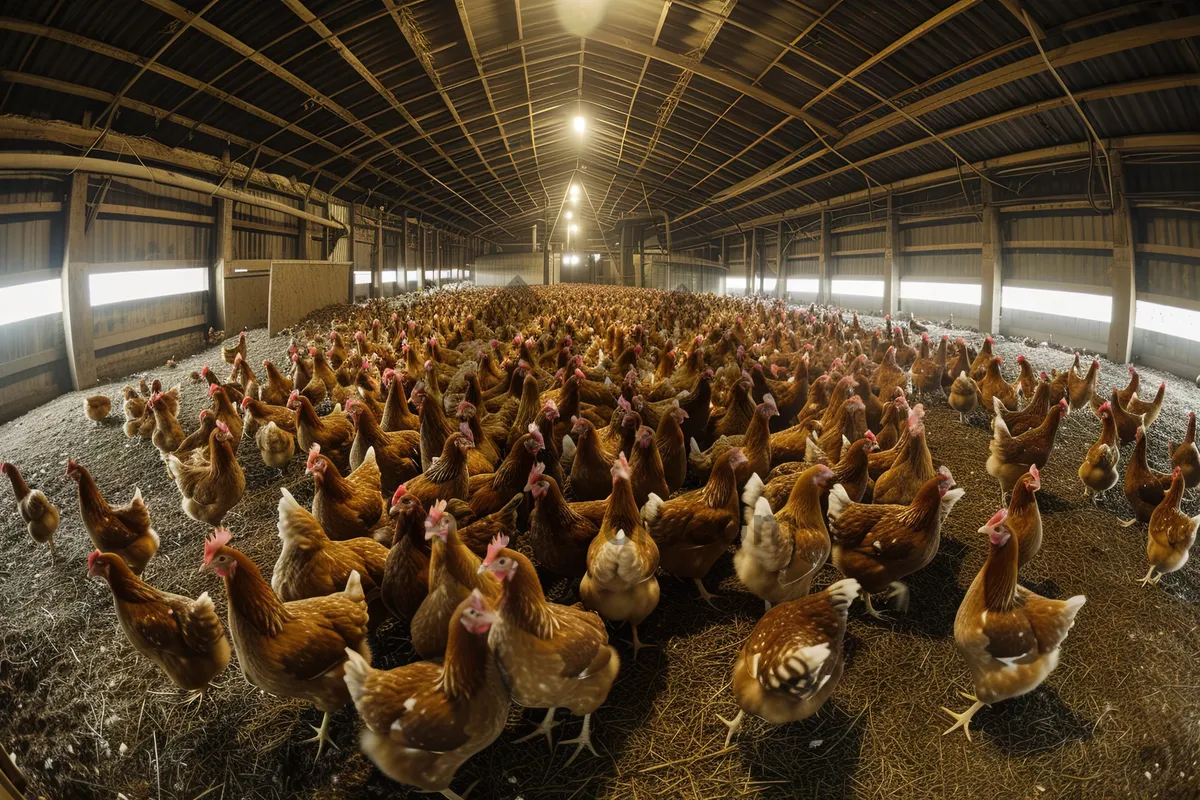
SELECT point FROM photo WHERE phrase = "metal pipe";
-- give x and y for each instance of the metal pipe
(100, 166)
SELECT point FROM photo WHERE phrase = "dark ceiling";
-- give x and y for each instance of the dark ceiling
(716, 111)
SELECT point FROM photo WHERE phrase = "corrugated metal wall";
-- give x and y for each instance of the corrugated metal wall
(501, 269)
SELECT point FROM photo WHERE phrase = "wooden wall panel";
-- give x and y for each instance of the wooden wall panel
(246, 301)
(298, 288)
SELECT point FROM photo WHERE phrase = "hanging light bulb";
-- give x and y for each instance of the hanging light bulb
(580, 124)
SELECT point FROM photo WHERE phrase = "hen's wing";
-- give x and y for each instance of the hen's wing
(795, 647)
(580, 640)
(690, 523)
(1050, 620)
(134, 515)
(406, 704)
(315, 639)
(199, 626)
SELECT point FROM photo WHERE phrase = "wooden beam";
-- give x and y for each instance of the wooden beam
(1169, 251)
(1124, 283)
(952, 247)
(991, 263)
(713, 74)
(33, 209)
(825, 261)
(1165, 142)
(911, 36)
(1059, 244)
(98, 268)
(31, 361)
(1017, 10)
(891, 261)
(221, 258)
(150, 331)
(29, 276)
(377, 261)
(110, 210)
(748, 249)
(864, 251)
(781, 246)
(160, 115)
(76, 293)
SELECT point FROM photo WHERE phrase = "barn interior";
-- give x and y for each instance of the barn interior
(181, 182)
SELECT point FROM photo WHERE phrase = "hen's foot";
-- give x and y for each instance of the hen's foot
(322, 735)
(963, 720)
(734, 725)
(705, 595)
(548, 724)
(584, 739)
(638, 644)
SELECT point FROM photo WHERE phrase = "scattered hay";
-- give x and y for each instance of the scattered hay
(87, 717)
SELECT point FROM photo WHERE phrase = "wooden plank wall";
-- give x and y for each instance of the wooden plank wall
(134, 226)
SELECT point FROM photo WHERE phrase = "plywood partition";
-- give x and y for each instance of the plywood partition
(301, 287)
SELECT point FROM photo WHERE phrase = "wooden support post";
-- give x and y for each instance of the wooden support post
(403, 253)
(992, 265)
(825, 262)
(222, 255)
(725, 256)
(421, 257)
(76, 294)
(1124, 280)
(437, 257)
(349, 253)
(377, 261)
(546, 263)
(781, 262)
(891, 262)
(303, 234)
(748, 259)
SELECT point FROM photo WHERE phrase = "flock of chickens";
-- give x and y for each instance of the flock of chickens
(573, 420)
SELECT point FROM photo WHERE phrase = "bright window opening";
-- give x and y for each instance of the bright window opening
(119, 287)
(389, 276)
(30, 300)
(1171, 320)
(361, 277)
(733, 284)
(858, 288)
(937, 292)
(802, 285)
(1096, 307)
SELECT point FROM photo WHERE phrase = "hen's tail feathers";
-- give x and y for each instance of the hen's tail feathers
(842, 594)
(694, 450)
(1000, 429)
(751, 494)
(948, 500)
(653, 507)
(356, 671)
(813, 454)
(756, 516)
(354, 588)
(839, 501)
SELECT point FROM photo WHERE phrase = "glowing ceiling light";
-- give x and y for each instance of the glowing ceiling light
(574, 191)
(579, 123)
(568, 215)
(573, 228)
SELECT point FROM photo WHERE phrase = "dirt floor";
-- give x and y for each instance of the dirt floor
(88, 718)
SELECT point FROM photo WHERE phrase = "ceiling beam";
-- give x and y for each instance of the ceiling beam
(298, 8)
(407, 25)
(117, 54)
(487, 91)
(1165, 142)
(925, 27)
(1099, 93)
(1073, 53)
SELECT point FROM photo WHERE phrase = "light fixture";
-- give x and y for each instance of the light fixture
(568, 215)
(579, 124)
(574, 191)
(573, 228)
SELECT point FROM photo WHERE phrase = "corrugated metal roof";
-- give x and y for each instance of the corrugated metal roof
(464, 109)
